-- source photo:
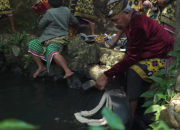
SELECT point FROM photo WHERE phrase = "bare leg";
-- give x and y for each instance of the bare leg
(133, 105)
(41, 66)
(12, 23)
(92, 28)
(59, 59)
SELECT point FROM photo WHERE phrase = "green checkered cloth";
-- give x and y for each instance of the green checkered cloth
(46, 53)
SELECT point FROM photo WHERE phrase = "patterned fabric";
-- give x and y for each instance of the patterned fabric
(5, 7)
(82, 8)
(113, 7)
(45, 53)
(165, 17)
(148, 67)
(135, 4)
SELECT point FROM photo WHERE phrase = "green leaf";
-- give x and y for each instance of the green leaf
(163, 102)
(152, 108)
(169, 92)
(171, 82)
(161, 126)
(172, 73)
(154, 124)
(164, 83)
(172, 66)
(172, 53)
(19, 23)
(148, 94)
(27, 24)
(178, 58)
(6, 50)
(33, 27)
(157, 114)
(96, 128)
(148, 103)
(177, 48)
(113, 120)
(156, 99)
(156, 79)
(13, 124)
(177, 64)
(161, 95)
(153, 118)
(161, 72)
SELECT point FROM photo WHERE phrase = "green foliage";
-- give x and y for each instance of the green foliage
(113, 120)
(1, 44)
(13, 124)
(35, 22)
(28, 61)
(163, 92)
(5, 47)
(23, 24)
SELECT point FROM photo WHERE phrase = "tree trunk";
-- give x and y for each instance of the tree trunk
(177, 43)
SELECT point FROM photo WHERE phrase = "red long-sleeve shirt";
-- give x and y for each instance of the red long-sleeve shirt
(148, 40)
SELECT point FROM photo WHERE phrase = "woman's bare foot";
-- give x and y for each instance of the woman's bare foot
(39, 70)
(68, 74)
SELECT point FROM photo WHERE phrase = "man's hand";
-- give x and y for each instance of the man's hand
(108, 44)
(101, 81)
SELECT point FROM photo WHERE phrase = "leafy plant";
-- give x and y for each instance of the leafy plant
(35, 22)
(16, 39)
(23, 24)
(162, 94)
(6, 48)
(28, 61)
(1, 44)
(9, 30)
(113, 120)
(13, 124)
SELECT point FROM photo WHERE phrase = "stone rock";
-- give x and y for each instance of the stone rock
(77, 65)
(16, 50)
(88, 84)
(108, 55)
(58, 77)
(95, 71)
(55, 70)
(75, 47)
(18, 71)
(11, 60)
(74, 82)
(90, 54)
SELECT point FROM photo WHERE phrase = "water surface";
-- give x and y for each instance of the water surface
(42, 103)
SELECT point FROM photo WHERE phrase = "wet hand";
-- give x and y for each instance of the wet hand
(101, 81)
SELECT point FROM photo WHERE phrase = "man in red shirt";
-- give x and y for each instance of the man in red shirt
(147, 50)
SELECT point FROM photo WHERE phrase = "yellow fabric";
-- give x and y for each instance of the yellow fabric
(148, 68)
(165, 16)
(114, 8)
(82, 8)
(135, 4)
(5, 7)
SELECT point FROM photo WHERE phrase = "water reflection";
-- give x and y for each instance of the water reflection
(41, 103)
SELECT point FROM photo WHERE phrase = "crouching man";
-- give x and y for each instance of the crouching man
(147, 50)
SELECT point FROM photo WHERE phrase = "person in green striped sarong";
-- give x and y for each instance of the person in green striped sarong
(54, 38)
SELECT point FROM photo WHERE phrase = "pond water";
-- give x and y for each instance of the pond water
(42, 103)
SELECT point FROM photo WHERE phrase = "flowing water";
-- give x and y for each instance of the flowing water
(42, 103)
